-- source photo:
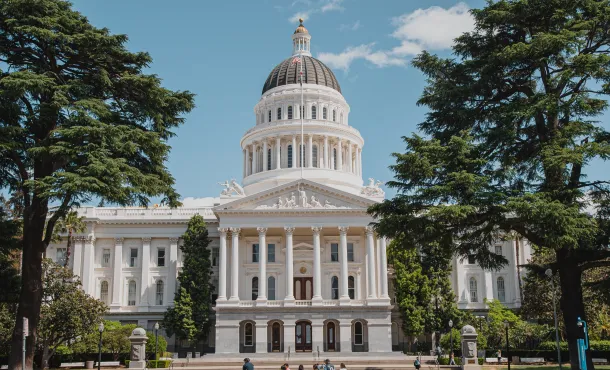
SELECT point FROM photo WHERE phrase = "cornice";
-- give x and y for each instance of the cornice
(270, 128)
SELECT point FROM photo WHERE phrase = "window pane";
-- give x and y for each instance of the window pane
(499, 250)
(289, 156)
(215, 256)
(314, 112)
(133, 257)
(473, 290)
(324, 114)
(161, 257)
(131, 298)
(279, 113)
(501, 290)
(351, 287)
(254, 252)
(471, 259)
(289, 112)
(334, 287)
(60, 257)
(104, 292)
(350, 252)
(334, 252)
(254, 288)
(106, 257)
(269, 116)
(314, 155)
(271, 253)
(271, 288)
(248, 334)
(159, 293)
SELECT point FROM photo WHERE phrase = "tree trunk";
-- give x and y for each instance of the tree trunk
(68, 246)
(45, 355)
(572, 304)
(31, 283)
(518, 269)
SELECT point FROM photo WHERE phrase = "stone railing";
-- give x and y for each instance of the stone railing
(275, 303)
(130, 213)
(302, 303)
(246, 303)
(331, 302)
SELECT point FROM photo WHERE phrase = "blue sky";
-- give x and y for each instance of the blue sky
(223, 51)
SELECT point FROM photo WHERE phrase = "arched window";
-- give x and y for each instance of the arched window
(289, 156)
(334, 287)
(335, 158)
(290, 112)
(271, 288)
(159, 293)
(104, 291)
(501, 289)
(324, 113)
(303, 112)
(269, 115)
(351, 287)
(473, 290)
(314, 155)
(131, 293)
(279, 113)
(268, 159)
(314, 112)
(334, 115)
(358, 333)
(254, 288)
(248, 334)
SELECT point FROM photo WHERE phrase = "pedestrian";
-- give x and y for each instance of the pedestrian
(247, 364)
(301, 367)
(328, 365)
(417, 363)
(287, 366)
(283, 367)
(343, 366)
(452, 361)
(499, 356)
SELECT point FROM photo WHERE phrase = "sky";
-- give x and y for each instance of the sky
(223, 51)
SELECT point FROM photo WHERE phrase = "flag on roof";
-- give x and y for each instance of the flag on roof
(296, 60)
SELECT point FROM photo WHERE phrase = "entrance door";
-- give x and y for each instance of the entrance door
(275, 337)
(303, 288)
(302, 337)
(330, 336)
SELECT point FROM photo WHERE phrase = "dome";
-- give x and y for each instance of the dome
(301, 28)
(314, 71)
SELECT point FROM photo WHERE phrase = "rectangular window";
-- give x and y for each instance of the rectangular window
(499, 250)
(271, 253)
(159, 293)
(334, 252)
(215, 256)
(248, 334)
(106, 257)
(133, 257)
(471, 259)
(60, 256)
(131, 293)
(161, 257)
(501, 290)
(350, 252)
(254, 253)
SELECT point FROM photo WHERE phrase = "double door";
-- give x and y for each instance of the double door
(303, 288)
(302, 336)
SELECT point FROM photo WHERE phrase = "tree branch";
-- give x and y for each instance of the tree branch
(594, 264)
(63, 208)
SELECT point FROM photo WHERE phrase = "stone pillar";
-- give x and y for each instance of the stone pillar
(278, 157)
(262, 268)
(145, 280)
(265, 155)
(344, 296)
(310, 151)
(88, 256)
(289, 300)
(345, 336)
(173, 269)
(360, 161)
(294, 151)
(469, 348)
(350, 157)
(317, 336)
(254, 159)
(316, 299)
(138, 349)
(358, 284)
(489, 287)
(235, 264)
(339, 155)
(117, 277)
(371, 284)
(261, 335)
(227, 334)
(248, 165)
(379, 335)
(77, 258)
(326, 162)
(383, 268)
(222, 265)
(289, 339)
(244, 165)
(377, 259)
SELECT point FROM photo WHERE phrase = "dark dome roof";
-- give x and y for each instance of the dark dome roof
(287, 73)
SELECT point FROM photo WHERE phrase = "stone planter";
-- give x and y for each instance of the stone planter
(88, 364)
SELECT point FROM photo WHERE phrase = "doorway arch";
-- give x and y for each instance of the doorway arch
(303, 336)
(275, 334)
(331, 336)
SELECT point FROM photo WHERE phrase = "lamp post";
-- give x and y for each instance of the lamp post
(507, 345)
(451, 336)
(157, 341)
(549, 274)
(99, 357)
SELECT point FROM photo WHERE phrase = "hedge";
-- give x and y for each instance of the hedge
(594, 345)
(158, 364)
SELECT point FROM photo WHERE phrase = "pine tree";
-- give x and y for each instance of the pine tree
(189, 318)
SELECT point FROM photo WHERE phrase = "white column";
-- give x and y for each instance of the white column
(265, 155)
(294, 151)
(254, 157)
(261, 335)
(222, 265)
(77, 258)
(310, 151)
(278, 159)
(349, 157)
(358, 284)
(235, 264)
(343, 259)
(117, 273)
(384, 268)
(372, 287)
(88, 255)
(359, 161)
(331, 159)
(317, 266)
(339, 155)
(144, 281)
(345, 336)
(262, 265)
(289, 267)
(377, 259)
(173, 269)
(489, 288)
(244, 164)
(248, 165)
(326, 161)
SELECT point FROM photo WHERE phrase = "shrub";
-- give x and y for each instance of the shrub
(127, 363)
(160, 364)
(594, 345)
(481, 361)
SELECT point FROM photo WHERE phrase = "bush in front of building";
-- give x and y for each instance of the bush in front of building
(594, 345)
(158, 364)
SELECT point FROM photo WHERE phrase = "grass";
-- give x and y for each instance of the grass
(538, 367)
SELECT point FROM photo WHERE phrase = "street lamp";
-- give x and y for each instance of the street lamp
(549, 274)
(157, 341)
(507, 346)
(451, 341)
(99, 358)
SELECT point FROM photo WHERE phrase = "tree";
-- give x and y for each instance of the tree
(190, 316)
(509, 134)
(79, 119)
(69, 224)
(67, 313)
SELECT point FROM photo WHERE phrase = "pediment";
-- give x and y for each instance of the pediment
(301, 195)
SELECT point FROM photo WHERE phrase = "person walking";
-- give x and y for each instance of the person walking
(342, 366)
(452, 361)
(328, 365)
(499, 356)
(417, 363)
(301, 367)
(247, 364)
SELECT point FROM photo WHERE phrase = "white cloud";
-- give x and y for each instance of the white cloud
(332, 5)
(433, 28)
(300, 15)
(350, 27)
(321, 6)
(191, 202)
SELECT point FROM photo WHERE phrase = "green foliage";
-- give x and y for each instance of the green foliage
(69, 224)
(162, 343)
(446, 340)
(512, 125)
(160, 364)
(190, 316)
(7, 322)
(594, 345)
(10, 242)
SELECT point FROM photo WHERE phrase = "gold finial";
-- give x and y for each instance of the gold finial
(301, 21)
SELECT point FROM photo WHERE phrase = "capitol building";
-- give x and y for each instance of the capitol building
(297, 266)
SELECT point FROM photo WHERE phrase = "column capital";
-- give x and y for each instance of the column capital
(118, 240)
(223, 231)
(261, 230)
(369, 230)
(235, 231)
(316, 230)
(90, 239)
(173, 240)
(289, 230)
(146, 239)
(343, 230)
